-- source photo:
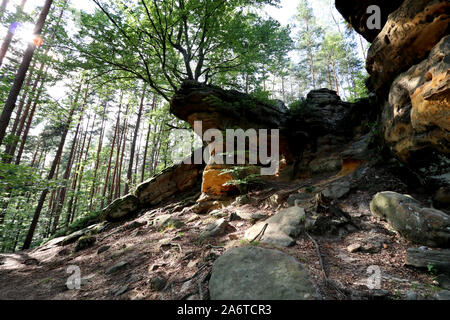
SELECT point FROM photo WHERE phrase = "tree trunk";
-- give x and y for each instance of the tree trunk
(37, 212)
(144, 161)
(68, 171)
(21, 74)
(97, 161)
(29, 122)
(11, 30)
(3, 8)
(133, 144)
(108, 170)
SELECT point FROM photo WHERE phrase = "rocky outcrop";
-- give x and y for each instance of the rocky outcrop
(121, 208)
(416, 120)
(408, 217)
(355, 13)
(408, 64)
(253, 273)
(423, 258)
(174, 180)
(406, 39)
(224, 109)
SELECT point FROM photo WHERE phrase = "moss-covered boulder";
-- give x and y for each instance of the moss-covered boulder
(84, 243)
(408, 217)
(121, 208)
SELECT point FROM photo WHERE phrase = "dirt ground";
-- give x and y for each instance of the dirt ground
(177, 256)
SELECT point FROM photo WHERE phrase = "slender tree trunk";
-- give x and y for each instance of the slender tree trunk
(37, 212)
(335, 78)
(19, 115)
(84, 161)
(75, 175)
(97, 161)
(3, 8)
(108, 169)
(28, 125)
(67, 173)
(21, 74)
(12, 29)
(146, 142)
(133, 144)
(124, 142)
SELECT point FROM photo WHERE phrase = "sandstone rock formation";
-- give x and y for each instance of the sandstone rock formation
(408, 64)
(253, 273)
(177, 179)
(417, 118)
(406, 39)
(355, 13)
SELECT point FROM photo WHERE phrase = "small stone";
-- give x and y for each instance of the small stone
(242, 200)
(121, 290)
(214, 229)
(103, 249)
(158, 283)
(337, 190)
(31, 262)
(444, 281)
(371, 247)
(411, 295)
(354, 247)
(259, 216)
(134, 225)
(235, 217)
(119, 266)
(192, 264)
(218, 214)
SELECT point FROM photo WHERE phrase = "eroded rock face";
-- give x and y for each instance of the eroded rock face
(417, 118)
(221, 109)
(253, 273)
(406, 39)
(355, 12)
(424, 259)
(177, 179)
(215, 181)
(408, 217)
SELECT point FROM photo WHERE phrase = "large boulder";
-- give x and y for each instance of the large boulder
(253, 273)
(408, 217)
(281, 228)
(416, 120)
(121, 209)
(174, 180)
(406, 39)
(355, 13)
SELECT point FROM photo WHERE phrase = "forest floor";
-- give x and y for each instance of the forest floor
(185, 263)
